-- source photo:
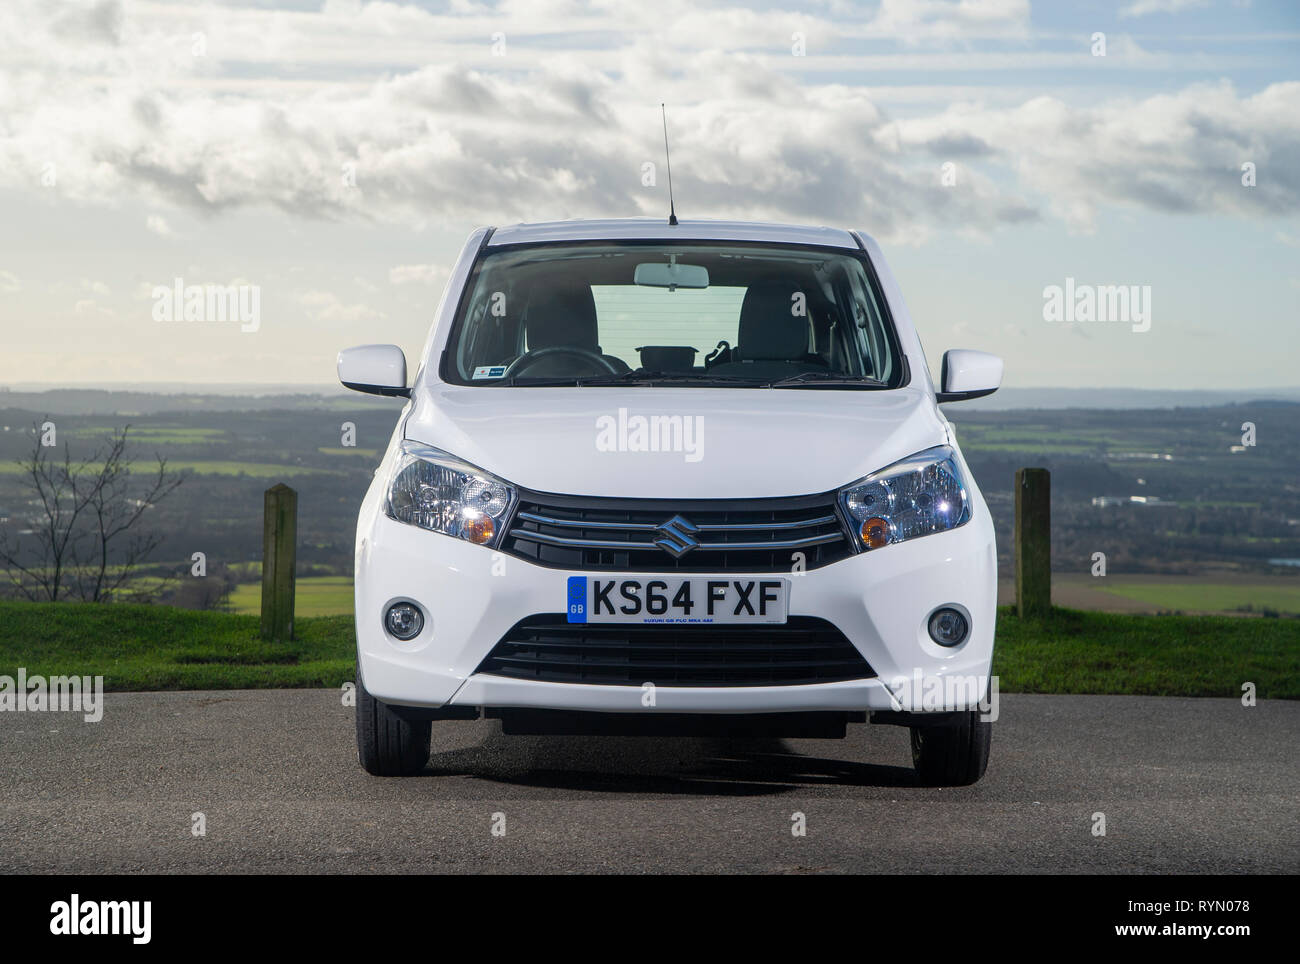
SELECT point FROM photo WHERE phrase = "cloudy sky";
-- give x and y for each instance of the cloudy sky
(336, 155)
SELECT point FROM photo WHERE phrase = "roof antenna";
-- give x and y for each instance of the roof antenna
(672, 212)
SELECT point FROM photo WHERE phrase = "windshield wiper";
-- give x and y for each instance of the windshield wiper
(635, 377)
(826, 380)
(809, 379)
(642, 377)
(523, 381)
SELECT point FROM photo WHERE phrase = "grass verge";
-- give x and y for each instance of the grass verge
(1071, 651)
(161, 648)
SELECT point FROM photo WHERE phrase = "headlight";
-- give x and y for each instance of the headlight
(920, 495)
(437, 491)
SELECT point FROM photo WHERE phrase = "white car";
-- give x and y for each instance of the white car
(674, 478)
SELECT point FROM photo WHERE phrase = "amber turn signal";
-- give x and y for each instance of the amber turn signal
(479, 529)
(875, 533)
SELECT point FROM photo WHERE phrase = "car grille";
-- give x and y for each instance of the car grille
(750, 535)
(547, 648)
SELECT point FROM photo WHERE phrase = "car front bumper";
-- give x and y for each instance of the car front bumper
(880, 600)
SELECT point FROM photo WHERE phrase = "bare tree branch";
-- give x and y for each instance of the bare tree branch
(85, 544)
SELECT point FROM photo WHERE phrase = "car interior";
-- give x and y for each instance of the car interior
(536, 317)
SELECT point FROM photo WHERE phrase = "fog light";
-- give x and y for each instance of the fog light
(404, 620)
(948, 627)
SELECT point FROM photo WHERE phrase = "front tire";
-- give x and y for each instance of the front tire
(952, 756)
(389, 745)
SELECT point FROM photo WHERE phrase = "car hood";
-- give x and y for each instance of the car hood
(721, 443)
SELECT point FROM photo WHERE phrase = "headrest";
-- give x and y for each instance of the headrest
(768, 330)
(562, 316)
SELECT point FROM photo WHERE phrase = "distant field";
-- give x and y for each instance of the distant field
(1190, 597)
(161, 433)
(368, 453)
(1226, 512)
(1219, 593)
(1035, 450)
(260, 470)
(316, 596)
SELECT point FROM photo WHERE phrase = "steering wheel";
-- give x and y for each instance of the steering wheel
(529, 359)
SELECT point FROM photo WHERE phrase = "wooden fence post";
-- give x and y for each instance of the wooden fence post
(279, 557)
(1033, 542)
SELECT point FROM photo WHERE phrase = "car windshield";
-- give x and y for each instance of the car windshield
(708, 315)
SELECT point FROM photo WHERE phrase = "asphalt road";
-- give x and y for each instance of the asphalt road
(1186, 786)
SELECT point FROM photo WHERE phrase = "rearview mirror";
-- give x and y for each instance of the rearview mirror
(968, 374)
(657, 274)
(374, 369)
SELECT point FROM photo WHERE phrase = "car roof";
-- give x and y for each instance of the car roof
(657, 229)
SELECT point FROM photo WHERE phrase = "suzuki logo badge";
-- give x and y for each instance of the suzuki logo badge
(677, 536)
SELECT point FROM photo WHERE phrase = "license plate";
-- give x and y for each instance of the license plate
(697, 599)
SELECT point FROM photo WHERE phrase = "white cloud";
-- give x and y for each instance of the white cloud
(159, 226)
(88, 306)
(425, 274)
(950, 19)
(325, 306)
(10, 283)
(1179, 152)
(1141, 8)
(563, 130)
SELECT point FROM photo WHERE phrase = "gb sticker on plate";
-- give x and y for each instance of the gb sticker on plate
(577, 599)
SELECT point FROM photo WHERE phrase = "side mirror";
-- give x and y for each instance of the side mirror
(374, 369)
(968, 374)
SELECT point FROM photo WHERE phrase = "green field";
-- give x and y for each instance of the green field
(1032, 450)
(159, 432)
(257, 470)
(162, 648)
(315, 596)
(368, 453)
(1193, 597)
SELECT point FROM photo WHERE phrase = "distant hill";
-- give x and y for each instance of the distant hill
(1126, 398)
(154, 401)
(151, 399)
